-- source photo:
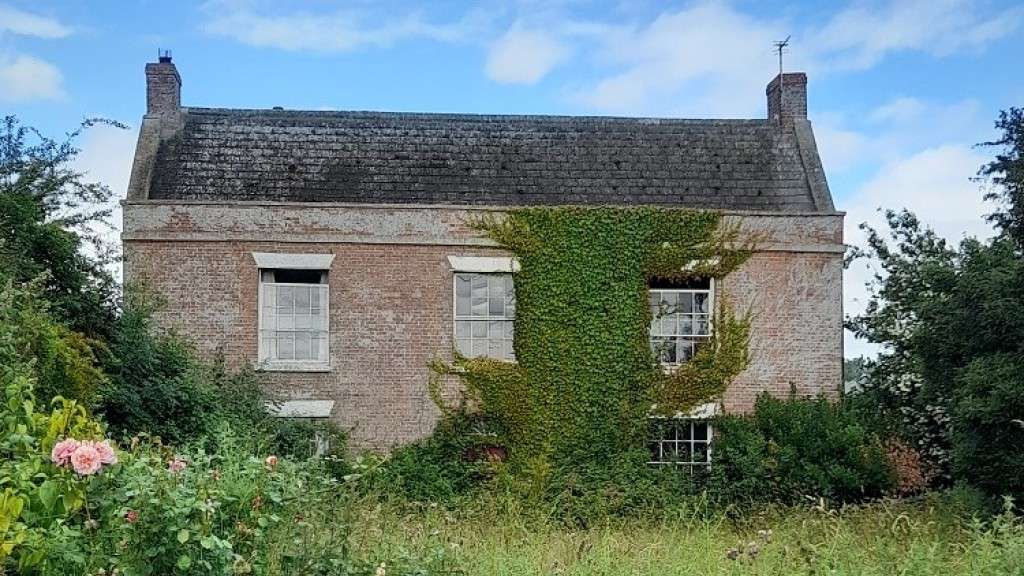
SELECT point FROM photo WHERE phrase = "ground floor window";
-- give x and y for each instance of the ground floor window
(682, 441)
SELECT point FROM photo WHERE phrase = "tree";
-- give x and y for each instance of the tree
(49, 214)
(1006, 173)
(951, 321)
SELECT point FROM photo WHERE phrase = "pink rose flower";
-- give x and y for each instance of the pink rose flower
(86, 460)
(107, 454)
(62, 451)
(177, 465)
(271, 462)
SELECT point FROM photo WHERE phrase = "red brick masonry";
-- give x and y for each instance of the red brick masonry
(391, 297)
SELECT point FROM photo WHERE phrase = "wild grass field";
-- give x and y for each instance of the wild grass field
(934, 535)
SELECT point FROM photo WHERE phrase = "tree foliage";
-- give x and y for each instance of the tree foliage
(951, 320)
(1006, 173)
(49, 213)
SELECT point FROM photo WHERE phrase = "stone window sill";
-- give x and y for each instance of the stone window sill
(293, 367)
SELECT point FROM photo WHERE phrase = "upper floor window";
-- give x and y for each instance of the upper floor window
(485, 309)
(293, 320)
(680, 319)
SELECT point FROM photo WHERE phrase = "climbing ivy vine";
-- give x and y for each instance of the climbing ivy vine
(585, 379)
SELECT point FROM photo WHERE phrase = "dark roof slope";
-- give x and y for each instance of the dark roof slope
(376, 157)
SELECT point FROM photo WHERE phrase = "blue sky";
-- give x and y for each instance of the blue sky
(899, 90)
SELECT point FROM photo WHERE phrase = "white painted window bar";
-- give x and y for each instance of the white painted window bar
(682, 441)
(681, 322)
(293, 321)
(485, 309)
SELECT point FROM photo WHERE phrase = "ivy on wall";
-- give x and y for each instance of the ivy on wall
(586, 379)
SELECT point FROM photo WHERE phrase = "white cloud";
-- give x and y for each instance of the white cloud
(106, 156)
(339, 31)
(23, 23)
(863, 34)
(707, 59)
(898, 110)
(522, 56)
(895, 127)
(935, 184)
(24, 78)
(840, 148)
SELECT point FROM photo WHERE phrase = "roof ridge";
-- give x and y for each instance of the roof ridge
(468, 116)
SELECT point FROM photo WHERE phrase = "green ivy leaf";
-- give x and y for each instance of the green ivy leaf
(183, 535)
(208, 542)
(184, 562)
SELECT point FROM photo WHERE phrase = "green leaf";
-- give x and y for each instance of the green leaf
(183, 535)
(208, 542)
(184, 562)
(48, 494)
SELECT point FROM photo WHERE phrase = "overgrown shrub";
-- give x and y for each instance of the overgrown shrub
(160, 386)
(48, 213)
(63, 362)
(629, 488)
(988, 424)
(154, 384)
(439, 468)
(167, 512)
(791, 448)
(36, 497)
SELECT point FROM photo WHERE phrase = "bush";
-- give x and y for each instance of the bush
(213, 512)
(438, 468)
(792, 448)
(988, 425)
(627, 488)
(63, 362)
(36, 497)
(155, 386)
(159, 386)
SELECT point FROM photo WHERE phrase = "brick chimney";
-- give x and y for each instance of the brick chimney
(787, 96)
(163, 87)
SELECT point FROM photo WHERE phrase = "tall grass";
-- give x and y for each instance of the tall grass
(496, 537)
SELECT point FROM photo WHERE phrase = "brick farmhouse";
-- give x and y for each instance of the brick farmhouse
(330, 249)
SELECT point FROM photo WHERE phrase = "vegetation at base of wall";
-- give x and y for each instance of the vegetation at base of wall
(158, 385)
(791, 449)
(585, 379)
(787, 450)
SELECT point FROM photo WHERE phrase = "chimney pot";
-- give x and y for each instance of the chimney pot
(787, 96)
(163, 87)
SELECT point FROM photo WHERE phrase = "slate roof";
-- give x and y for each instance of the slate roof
(402, 158)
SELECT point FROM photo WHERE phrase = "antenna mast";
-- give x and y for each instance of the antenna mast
(780, 47)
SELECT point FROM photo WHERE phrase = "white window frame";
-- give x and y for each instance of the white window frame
(480, 265)
(700, 414)
(456, 318)
(280, 261)
(691, 464)
(670, 366)
(313, 411)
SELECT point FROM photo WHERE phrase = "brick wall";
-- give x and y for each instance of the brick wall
(391, 299)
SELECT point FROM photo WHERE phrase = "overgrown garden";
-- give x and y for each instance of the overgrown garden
(124, 452)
